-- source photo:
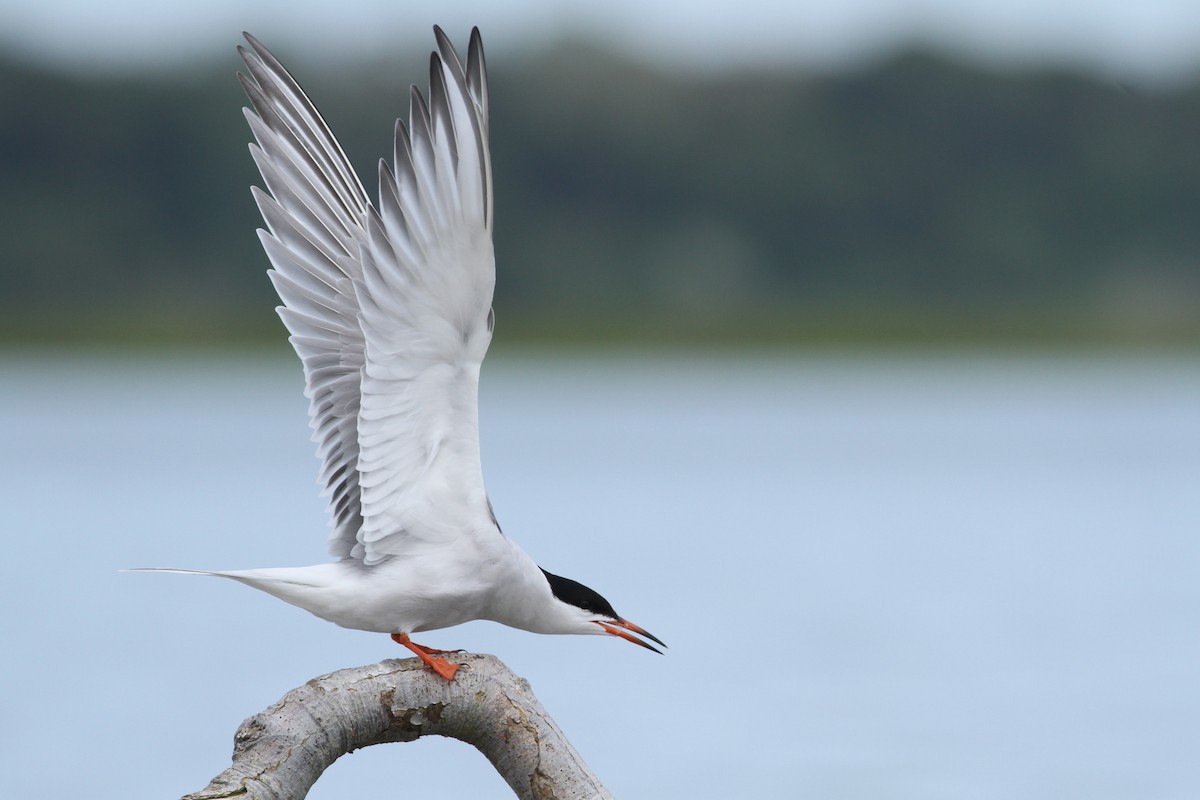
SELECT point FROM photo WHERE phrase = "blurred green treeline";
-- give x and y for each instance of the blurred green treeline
(915, 197)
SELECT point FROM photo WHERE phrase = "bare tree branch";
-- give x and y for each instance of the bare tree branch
(280, 752)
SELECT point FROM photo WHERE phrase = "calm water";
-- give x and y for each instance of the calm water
(880, 577)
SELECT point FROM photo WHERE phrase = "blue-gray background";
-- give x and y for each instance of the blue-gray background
(928, 570)
(927, 575)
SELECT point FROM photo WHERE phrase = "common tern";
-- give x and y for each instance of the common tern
(389, 308)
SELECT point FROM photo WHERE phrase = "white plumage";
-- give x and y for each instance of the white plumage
(389, 309)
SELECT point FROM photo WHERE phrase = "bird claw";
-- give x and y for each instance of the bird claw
(444, 668)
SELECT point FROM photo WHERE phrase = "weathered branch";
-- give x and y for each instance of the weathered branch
(280, 752)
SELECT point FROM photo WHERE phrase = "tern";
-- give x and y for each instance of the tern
(389, 308)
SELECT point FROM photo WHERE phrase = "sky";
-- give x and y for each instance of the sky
(1148, 40)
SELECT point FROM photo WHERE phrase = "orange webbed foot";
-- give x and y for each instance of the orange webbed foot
(442, 667)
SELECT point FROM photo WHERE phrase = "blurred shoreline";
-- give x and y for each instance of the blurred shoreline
(920, 200)
(774, 329)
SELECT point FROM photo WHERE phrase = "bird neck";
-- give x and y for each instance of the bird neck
(524, 600)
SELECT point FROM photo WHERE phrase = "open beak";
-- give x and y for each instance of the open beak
(620, 626)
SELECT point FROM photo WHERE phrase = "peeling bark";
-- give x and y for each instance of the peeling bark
(280, 752)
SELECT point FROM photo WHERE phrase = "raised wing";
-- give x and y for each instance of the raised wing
(389, 309)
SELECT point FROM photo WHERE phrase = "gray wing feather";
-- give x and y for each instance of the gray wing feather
(390, 305)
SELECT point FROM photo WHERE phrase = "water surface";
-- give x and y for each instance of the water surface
(918, 576)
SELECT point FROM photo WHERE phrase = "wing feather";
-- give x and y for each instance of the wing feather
(388, 308)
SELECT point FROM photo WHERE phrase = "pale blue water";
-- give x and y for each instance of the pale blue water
(919, 576)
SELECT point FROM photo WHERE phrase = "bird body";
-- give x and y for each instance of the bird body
(419, 593)
(389, 309)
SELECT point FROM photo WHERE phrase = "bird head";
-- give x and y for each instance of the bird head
(595, 614)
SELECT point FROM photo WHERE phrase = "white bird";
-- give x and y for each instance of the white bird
(389, 308)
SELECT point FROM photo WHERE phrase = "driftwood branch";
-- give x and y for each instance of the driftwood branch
(280, 752)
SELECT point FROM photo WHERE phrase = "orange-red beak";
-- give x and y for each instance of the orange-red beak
(619, 628)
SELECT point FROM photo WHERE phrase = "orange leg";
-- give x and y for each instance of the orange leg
(438, 665)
